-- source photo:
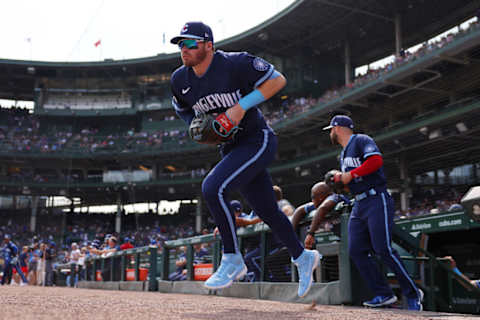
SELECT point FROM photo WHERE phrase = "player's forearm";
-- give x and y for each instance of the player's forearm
(298, 216)
(271, 86)
(459, 273)
(241, 222)
(318, 218)
(320, 214)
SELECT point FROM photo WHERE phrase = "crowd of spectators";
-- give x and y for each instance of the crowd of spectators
(86, 235)
(431, 200)
(87, 101)
(299, 105)
(22, 132)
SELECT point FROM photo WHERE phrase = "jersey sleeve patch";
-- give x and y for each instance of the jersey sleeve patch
(260, 65)
(368, 147)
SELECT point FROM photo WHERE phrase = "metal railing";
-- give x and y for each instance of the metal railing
(114, 267)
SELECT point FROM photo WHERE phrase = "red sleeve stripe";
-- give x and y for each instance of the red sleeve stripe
(372, 164)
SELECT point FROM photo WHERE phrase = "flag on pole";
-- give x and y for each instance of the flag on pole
(99, 42)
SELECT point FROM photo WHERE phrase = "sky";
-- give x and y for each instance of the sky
(67, 30)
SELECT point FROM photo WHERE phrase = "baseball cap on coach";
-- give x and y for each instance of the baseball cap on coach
(236, 205)
(342, 121)
(194, 30)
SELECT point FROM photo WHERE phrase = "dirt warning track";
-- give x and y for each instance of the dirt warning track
(67, 304)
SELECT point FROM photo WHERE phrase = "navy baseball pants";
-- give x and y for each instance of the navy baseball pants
(369, 232)
(7, 272)
(244, 168)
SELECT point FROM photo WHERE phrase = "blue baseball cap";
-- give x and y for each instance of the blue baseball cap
(340, 121)
(194, 30)
(236, 205)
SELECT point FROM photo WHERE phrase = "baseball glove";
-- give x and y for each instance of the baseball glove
(332, 179)
(206, 129)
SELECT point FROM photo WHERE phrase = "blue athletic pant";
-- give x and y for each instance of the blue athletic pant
(7, 272)
(244, 168)
(369, 232)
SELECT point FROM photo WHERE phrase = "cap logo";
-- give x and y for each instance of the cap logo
(185, 28)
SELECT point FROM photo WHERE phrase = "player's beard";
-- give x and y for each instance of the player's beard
(194, 57)
(334, 138)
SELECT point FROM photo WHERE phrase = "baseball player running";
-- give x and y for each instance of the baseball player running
(10, 253)
(371, 219)
(229, 86)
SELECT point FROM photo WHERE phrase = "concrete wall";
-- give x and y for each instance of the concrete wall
(321, 293)
(121, 285)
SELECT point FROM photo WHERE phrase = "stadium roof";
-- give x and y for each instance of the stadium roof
(312, 28)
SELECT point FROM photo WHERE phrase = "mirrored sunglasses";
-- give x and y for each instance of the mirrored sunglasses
(189, 43)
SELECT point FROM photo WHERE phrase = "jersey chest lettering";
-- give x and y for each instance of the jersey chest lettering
(351, 162)
(217, 101)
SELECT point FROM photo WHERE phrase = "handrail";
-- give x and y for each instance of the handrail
(92, 264)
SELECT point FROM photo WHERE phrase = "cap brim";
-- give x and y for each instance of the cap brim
(327, 128)
(177, 39)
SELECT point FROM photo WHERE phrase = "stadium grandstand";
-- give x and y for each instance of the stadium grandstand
(105, 133)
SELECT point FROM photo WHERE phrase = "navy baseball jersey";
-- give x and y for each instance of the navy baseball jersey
(357, 150)
(308, 207)
(229, 77)
(10, 251)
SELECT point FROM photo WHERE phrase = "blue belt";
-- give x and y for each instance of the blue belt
(366, 194)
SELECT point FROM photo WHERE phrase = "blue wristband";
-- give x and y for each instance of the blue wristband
(457, 271)
(251, 100)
